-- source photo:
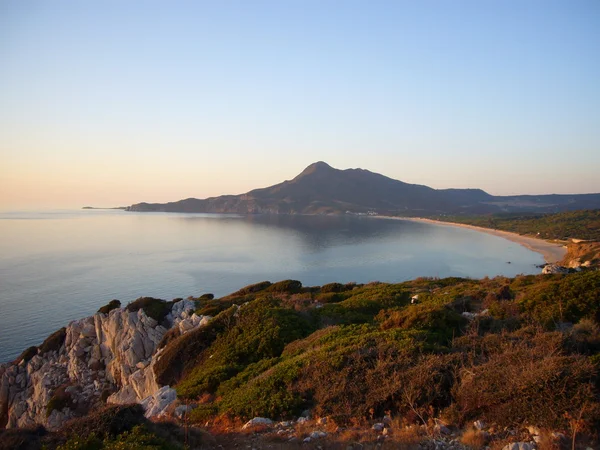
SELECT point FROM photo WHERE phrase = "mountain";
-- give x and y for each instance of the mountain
(322, 189)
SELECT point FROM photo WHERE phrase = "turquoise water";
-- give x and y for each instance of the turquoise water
(62, 265)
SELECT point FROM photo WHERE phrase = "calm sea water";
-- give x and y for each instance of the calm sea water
(62, 265)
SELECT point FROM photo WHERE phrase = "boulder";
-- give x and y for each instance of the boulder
(554, 268)
(479, 425)
(378, 427)
(156, 404)
(256, 422)
(317, 434)
(183, 410)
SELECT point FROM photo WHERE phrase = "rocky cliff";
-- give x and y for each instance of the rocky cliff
(104, 358)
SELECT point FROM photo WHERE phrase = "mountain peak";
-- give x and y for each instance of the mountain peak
(319, 166)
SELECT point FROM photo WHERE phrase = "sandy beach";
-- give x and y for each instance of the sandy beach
(551, 251)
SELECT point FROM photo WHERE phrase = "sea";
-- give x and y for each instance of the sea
(58, 266)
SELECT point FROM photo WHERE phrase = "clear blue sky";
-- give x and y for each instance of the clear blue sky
(116, 102)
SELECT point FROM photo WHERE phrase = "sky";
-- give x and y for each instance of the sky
(116, 102)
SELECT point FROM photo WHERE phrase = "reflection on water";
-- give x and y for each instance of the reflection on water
(59, 266)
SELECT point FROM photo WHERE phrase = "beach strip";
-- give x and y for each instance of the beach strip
(552, 252)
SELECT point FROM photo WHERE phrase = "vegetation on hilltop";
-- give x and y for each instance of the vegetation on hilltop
(581, 224)
(354, 351)
(510, 352)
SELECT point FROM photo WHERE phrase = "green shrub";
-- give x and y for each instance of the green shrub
(201, 413)
(330, 297)
(251, 289)
(207, 296)
(169, 337)
(185, 352)
(87, 442)
(113, 304)
(268, 395)
(443, 323)
(251, 371)
(562, 298)
(54, 342)
(333, 287)
(260, 330)
(287, 286)
(212, 307)
(153, 307)
(109, 421)
(26, 355)
(60, 399)
(140, 437)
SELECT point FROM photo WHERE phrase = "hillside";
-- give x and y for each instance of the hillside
(581, 230)
(321, 189)
(580, 225)
(398, 364)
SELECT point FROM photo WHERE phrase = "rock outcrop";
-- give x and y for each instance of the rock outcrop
(103, 358)
(553, 268)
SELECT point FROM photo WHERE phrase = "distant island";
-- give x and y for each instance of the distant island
(124, 208)
(322, 189)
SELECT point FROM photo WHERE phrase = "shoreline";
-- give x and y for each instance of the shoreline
(551, 251)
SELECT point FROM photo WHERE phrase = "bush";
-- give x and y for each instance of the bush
(330, 297)
(213, 307)
(207, 296)
(287, 286)
(585, 337)
(109, 421)
(443, 323)
(261, 330)
(22, 438)
(333, 287)
(267, 395)
(251, 289)
(54, 342)
(60, 399)
(201, 413)
(169, 337)
(140, 437)
(368, 381)
(562, 298)
(26, 355)
(523, 379)
(113, 304)
(153, 307)
(186, 352)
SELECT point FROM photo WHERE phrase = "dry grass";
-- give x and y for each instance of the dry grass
(474, 439)
(224, 425)
(547, 441)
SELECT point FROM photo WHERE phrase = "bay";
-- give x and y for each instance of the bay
(57, 266)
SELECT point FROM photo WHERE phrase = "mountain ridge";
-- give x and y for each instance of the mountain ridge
(323, 189)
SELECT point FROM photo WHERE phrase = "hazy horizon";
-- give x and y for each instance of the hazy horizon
(117, 103)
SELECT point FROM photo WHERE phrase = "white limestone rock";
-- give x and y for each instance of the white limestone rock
(553, 268)
(156, 404)
(256, 422)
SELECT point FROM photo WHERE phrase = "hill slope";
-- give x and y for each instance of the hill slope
(322, 189)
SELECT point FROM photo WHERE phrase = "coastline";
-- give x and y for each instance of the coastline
(551, 251)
